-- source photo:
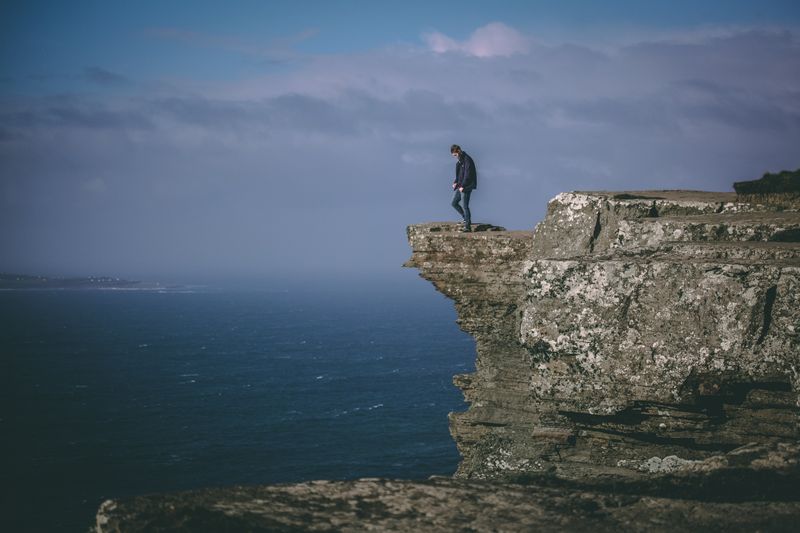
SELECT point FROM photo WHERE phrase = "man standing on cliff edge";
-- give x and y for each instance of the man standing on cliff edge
(466, 181)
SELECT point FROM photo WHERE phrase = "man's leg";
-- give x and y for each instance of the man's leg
(467, 215)
(454, 203)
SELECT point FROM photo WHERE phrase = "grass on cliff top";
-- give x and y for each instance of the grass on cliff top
(783, 181)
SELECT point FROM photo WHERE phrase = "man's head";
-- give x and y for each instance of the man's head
(455, 150)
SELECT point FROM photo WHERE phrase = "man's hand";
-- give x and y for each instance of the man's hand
(454, 186)
(461, 189)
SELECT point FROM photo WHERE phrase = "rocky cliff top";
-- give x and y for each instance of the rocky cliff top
(722, 500)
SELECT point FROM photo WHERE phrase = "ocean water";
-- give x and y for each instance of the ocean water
(107, 394)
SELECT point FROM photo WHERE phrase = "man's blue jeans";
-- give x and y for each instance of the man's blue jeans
(465, 211)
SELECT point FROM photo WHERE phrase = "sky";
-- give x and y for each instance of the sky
(200, 141)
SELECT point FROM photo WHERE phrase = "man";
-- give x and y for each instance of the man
(466, 181)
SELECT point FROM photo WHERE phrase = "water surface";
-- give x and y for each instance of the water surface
(107, 394)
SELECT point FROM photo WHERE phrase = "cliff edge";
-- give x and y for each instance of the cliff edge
(630, 333)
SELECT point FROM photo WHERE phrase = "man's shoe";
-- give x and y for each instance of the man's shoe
(466, 229)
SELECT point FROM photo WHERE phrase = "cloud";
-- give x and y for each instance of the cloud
(102, 76)
(493, 40)
(277, 50)
(69, 112)
(255, 172)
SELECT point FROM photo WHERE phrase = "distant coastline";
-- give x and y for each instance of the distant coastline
(28, 282)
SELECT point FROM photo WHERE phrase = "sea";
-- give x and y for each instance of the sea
(115, 393)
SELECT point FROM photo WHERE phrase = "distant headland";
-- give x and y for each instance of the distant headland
(29, 282)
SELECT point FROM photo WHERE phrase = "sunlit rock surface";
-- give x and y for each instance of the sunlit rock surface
(712, 495)
(750, 489)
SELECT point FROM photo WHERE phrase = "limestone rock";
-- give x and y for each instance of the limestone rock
(628, 326)
(444, 505)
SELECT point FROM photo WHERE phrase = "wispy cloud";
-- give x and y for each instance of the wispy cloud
(102, 76)
(276, 49)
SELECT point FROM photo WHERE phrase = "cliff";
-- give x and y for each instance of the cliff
(626, 328)
(637, 368)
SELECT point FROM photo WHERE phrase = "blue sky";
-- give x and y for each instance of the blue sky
(46, 38)
(200, 140)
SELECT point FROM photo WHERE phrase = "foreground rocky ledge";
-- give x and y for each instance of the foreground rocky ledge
(713, 495)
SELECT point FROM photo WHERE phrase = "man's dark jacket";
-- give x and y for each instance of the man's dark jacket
(466, 173)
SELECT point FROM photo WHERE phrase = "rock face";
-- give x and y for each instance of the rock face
(627, 328)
